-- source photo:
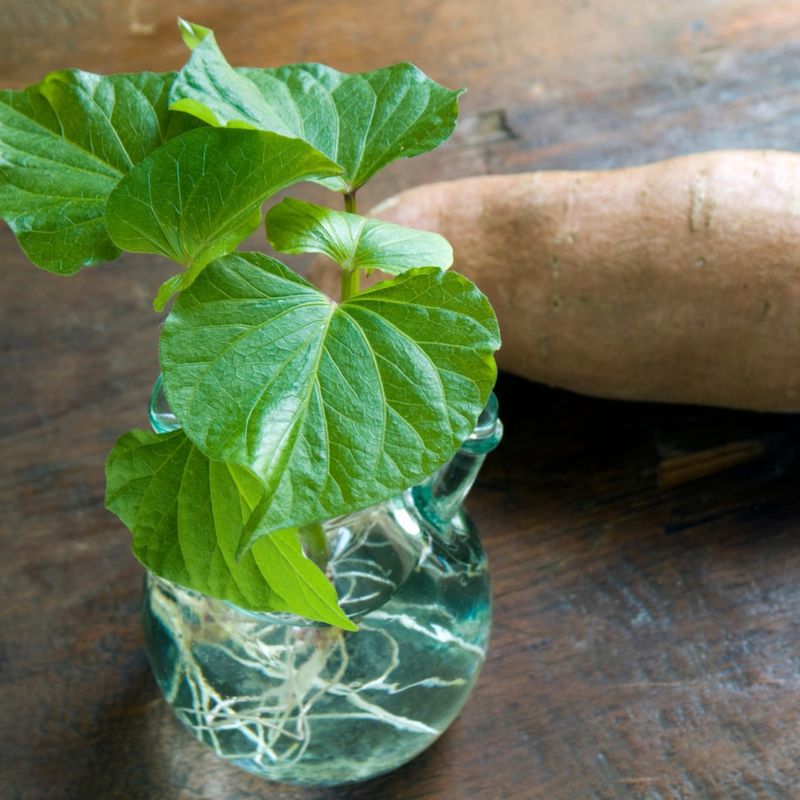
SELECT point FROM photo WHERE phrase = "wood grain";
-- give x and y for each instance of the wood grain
(646, 631)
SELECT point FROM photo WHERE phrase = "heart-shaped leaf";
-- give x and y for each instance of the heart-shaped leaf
(362, 121)
(335, 407)
(353, 241)
(198, 196)
(65, 143)
(186, 514)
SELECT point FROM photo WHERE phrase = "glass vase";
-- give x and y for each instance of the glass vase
(303, 702)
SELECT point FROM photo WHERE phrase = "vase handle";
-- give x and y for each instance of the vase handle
(439, 497)
(162, 420)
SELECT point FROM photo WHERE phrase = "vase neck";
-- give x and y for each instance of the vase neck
(439, 497)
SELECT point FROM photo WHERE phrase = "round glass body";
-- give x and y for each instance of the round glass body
(302, 702)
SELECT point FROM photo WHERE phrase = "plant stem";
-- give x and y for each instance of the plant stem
(349, 283)
(315, 543)
(350, 278)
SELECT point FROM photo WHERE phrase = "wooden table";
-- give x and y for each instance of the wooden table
(647, 601)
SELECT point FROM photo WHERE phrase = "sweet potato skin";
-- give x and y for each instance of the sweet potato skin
(677, 281)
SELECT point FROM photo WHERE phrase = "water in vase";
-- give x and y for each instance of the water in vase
(305, 703)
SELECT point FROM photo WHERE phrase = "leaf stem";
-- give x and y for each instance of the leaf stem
(350, 278)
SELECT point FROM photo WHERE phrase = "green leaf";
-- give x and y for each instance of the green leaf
(192, 33)
(64, 144)
(186, 514)
(353, 241)
(335, 407)
(198, 196)
(295, 577)
(363, 121)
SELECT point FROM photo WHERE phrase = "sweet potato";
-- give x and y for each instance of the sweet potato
(677, 281)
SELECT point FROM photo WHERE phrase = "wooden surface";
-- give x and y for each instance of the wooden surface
(646, 559)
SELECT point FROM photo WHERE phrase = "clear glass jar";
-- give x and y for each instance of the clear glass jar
(303, 702)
